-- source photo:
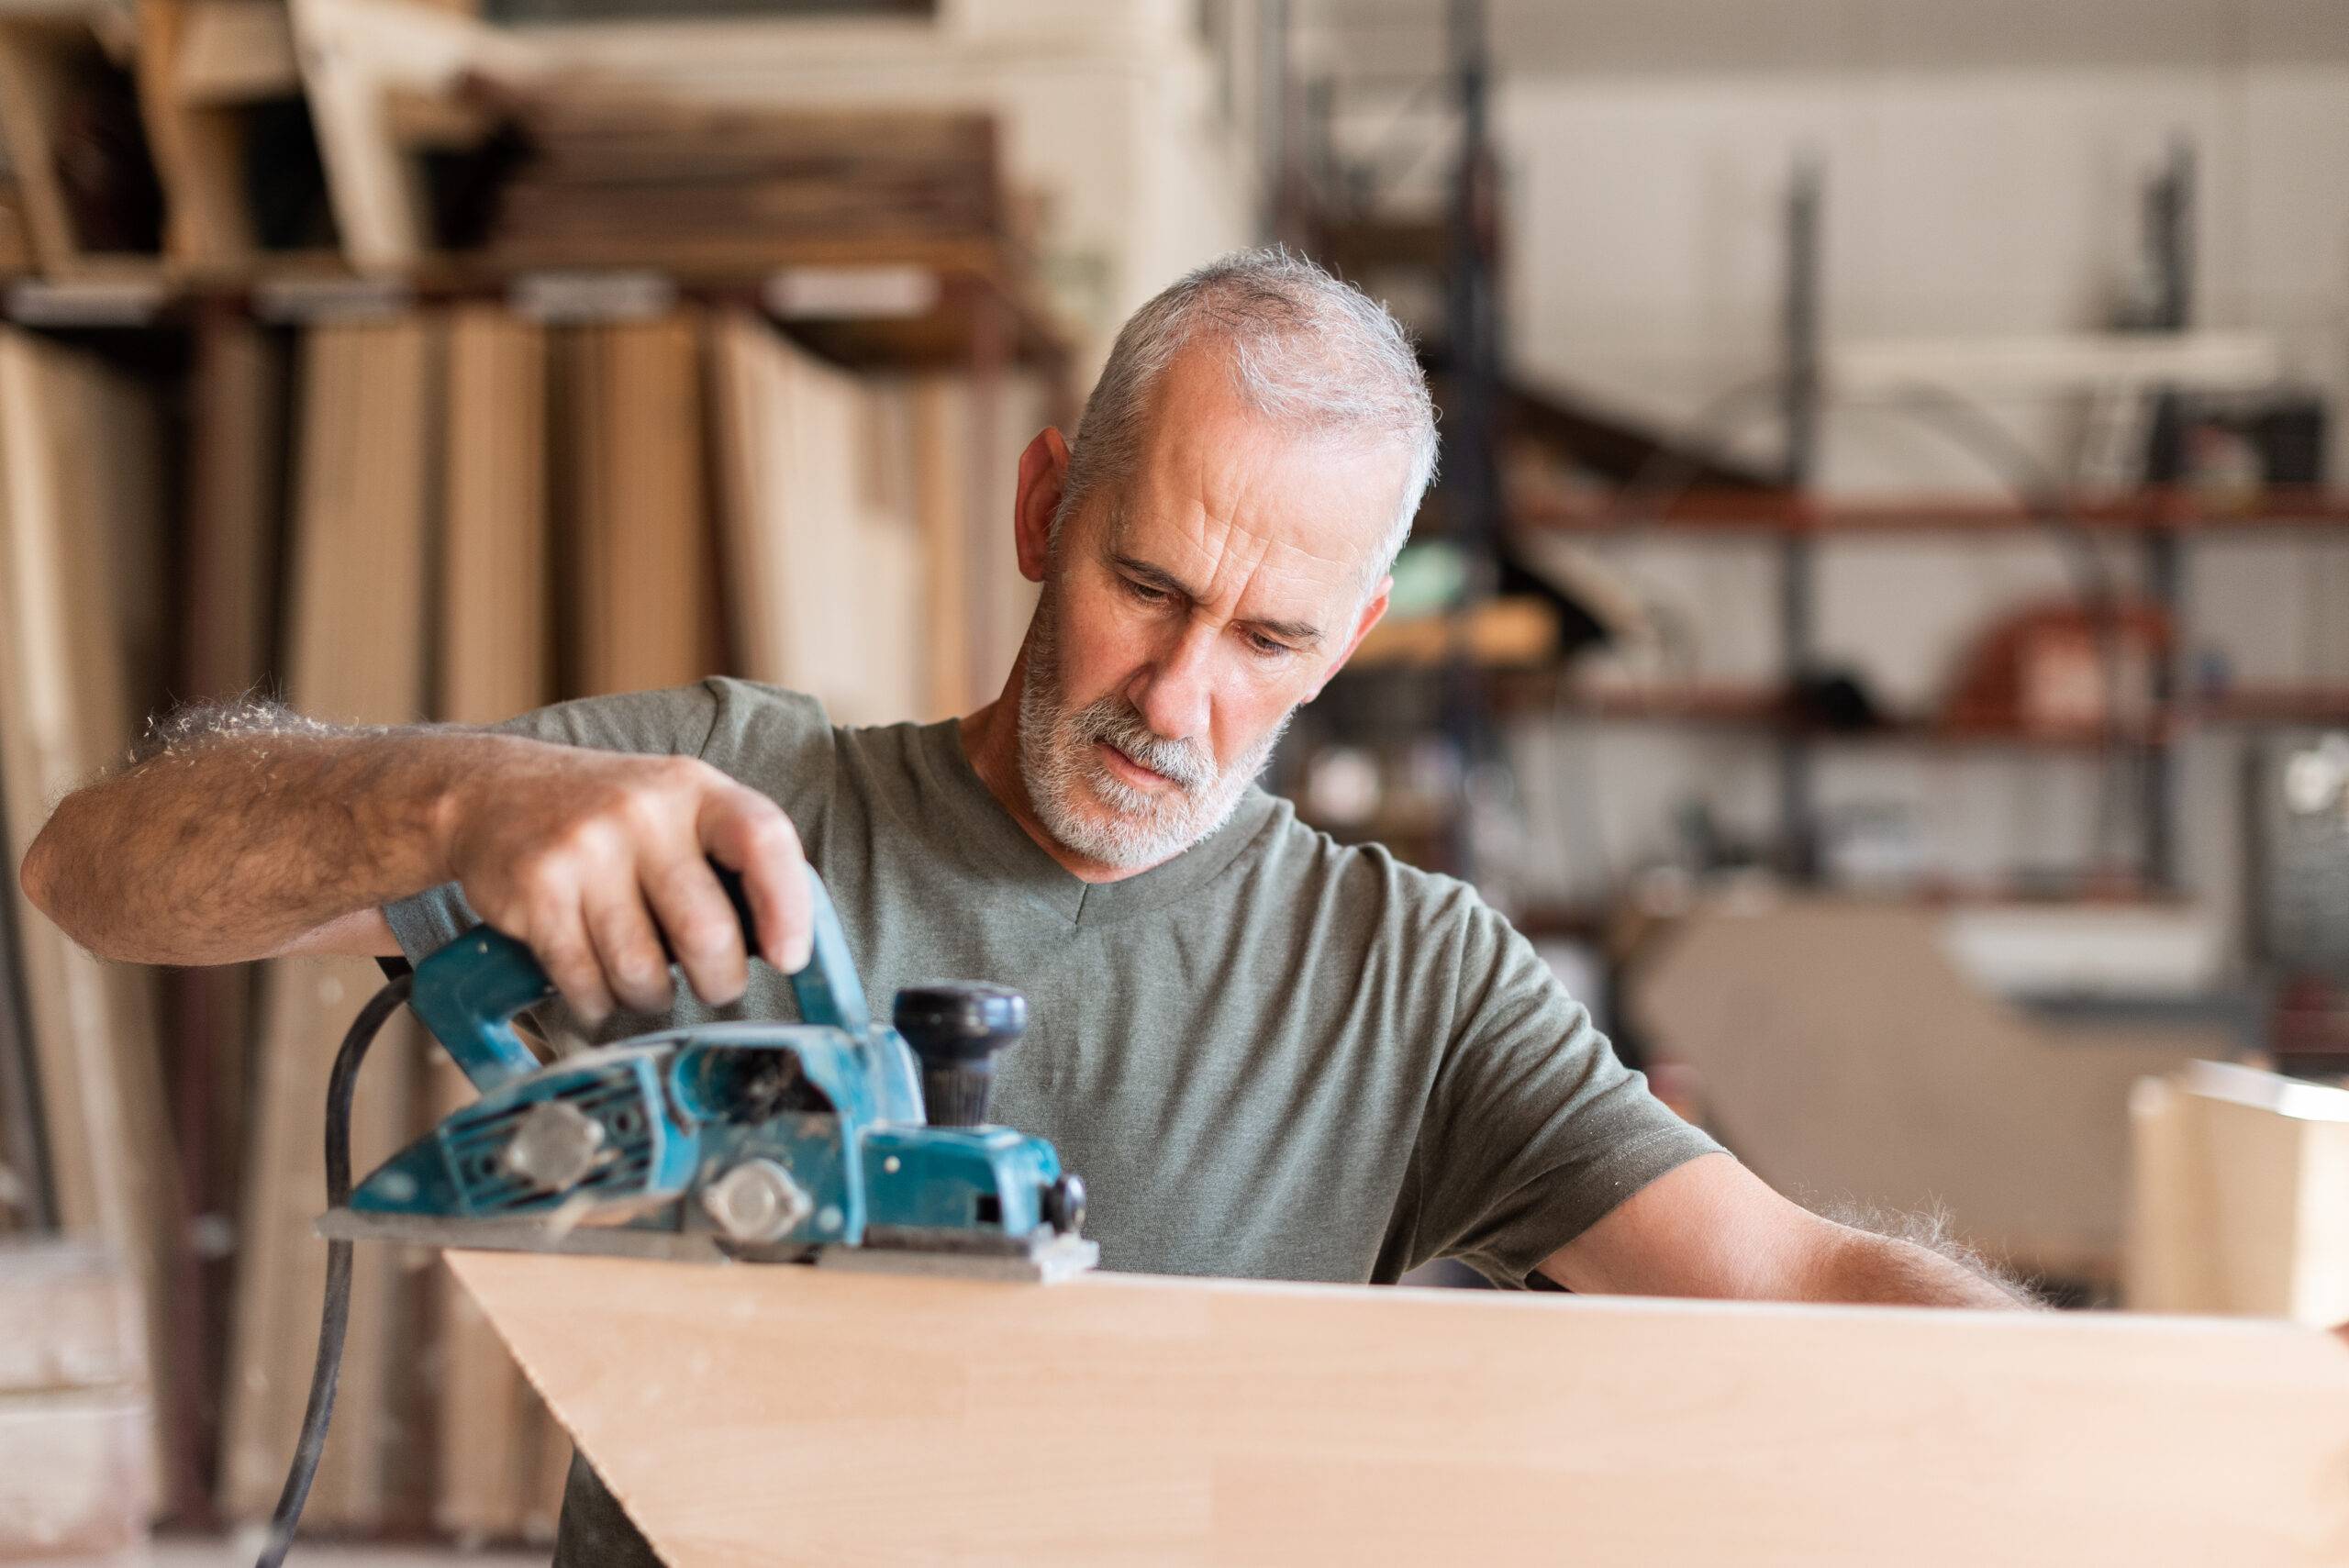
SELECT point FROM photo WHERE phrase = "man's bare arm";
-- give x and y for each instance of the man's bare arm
(237, 833)
(254, 832)
(1712, 1227)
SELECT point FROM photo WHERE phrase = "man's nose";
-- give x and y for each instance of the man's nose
(1172, 691)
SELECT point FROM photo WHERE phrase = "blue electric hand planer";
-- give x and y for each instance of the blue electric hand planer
(764, 1140)
(835, 1141)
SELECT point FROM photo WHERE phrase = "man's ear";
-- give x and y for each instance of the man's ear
(1043, 473)
(1371, 614)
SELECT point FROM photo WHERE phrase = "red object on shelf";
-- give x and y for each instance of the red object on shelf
(2061, 669)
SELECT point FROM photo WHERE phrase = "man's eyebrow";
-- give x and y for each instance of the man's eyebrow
(1297, 631)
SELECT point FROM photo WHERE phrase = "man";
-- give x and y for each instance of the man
(1267, 1054)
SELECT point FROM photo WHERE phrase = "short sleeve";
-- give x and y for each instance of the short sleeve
(676, 721)
(1535, 1130)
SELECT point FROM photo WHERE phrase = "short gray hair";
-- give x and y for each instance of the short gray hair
(1305, 348)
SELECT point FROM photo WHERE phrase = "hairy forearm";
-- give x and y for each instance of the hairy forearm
(239, 830)
(1862, 1266)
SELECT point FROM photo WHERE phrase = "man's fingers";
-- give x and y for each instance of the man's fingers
(744, 829)
(701, 926)
(630, 948)
(560, 942)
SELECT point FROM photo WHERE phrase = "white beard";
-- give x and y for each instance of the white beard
(1060, 768)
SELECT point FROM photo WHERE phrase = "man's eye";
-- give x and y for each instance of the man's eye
(1145, 593)
(1266, 646)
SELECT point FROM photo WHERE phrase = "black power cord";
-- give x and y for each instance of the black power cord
(335, 1315)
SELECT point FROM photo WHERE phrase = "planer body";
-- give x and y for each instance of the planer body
(813, 1140)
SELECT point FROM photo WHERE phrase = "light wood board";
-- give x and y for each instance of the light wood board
(65, 711)
(496, 662)
(779, 1415)
(824, 569)
(644, 601)
(198, 152)
(355, 652)
(941, 513)
(2240, 1201)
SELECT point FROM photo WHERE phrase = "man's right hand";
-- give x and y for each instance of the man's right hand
(591, 857)
(267, 834)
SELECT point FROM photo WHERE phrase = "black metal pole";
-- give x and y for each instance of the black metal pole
(1801, 327)
(2169, 221)
(1471, 457)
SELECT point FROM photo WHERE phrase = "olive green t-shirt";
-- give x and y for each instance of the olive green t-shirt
(1275, 1056)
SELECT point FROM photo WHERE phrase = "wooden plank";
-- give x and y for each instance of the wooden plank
(941, 442)
(235, 505)
(66, 710)
(2240, 1202)
(644, 597)
(823, 560)
(495, 661)
(355, 652)
(234, 52)
(785, 1415)
(234, 513)
(198, 152)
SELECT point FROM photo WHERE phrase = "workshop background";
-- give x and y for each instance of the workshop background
(1880, 628)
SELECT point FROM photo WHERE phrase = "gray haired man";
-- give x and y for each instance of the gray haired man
(1270, 1055)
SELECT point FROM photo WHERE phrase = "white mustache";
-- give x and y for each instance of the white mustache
(1114, 719)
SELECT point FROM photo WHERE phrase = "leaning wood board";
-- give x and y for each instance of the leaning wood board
(643, 592)
(65, 711)
(496, 662)
(354, 654)
(823, 553)
(747, 1415)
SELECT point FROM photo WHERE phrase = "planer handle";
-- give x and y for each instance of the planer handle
(468, 992)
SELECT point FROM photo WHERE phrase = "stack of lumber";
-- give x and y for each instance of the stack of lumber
(77, 1472)
(600, 172)
(79, 586)
(2240, 1202)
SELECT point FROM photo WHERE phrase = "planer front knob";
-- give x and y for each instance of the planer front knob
(957, 1029)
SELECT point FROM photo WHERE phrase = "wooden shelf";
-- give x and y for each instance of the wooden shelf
(2276, 705)
(1527, 693)
(1771, 514)
(974, 299)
